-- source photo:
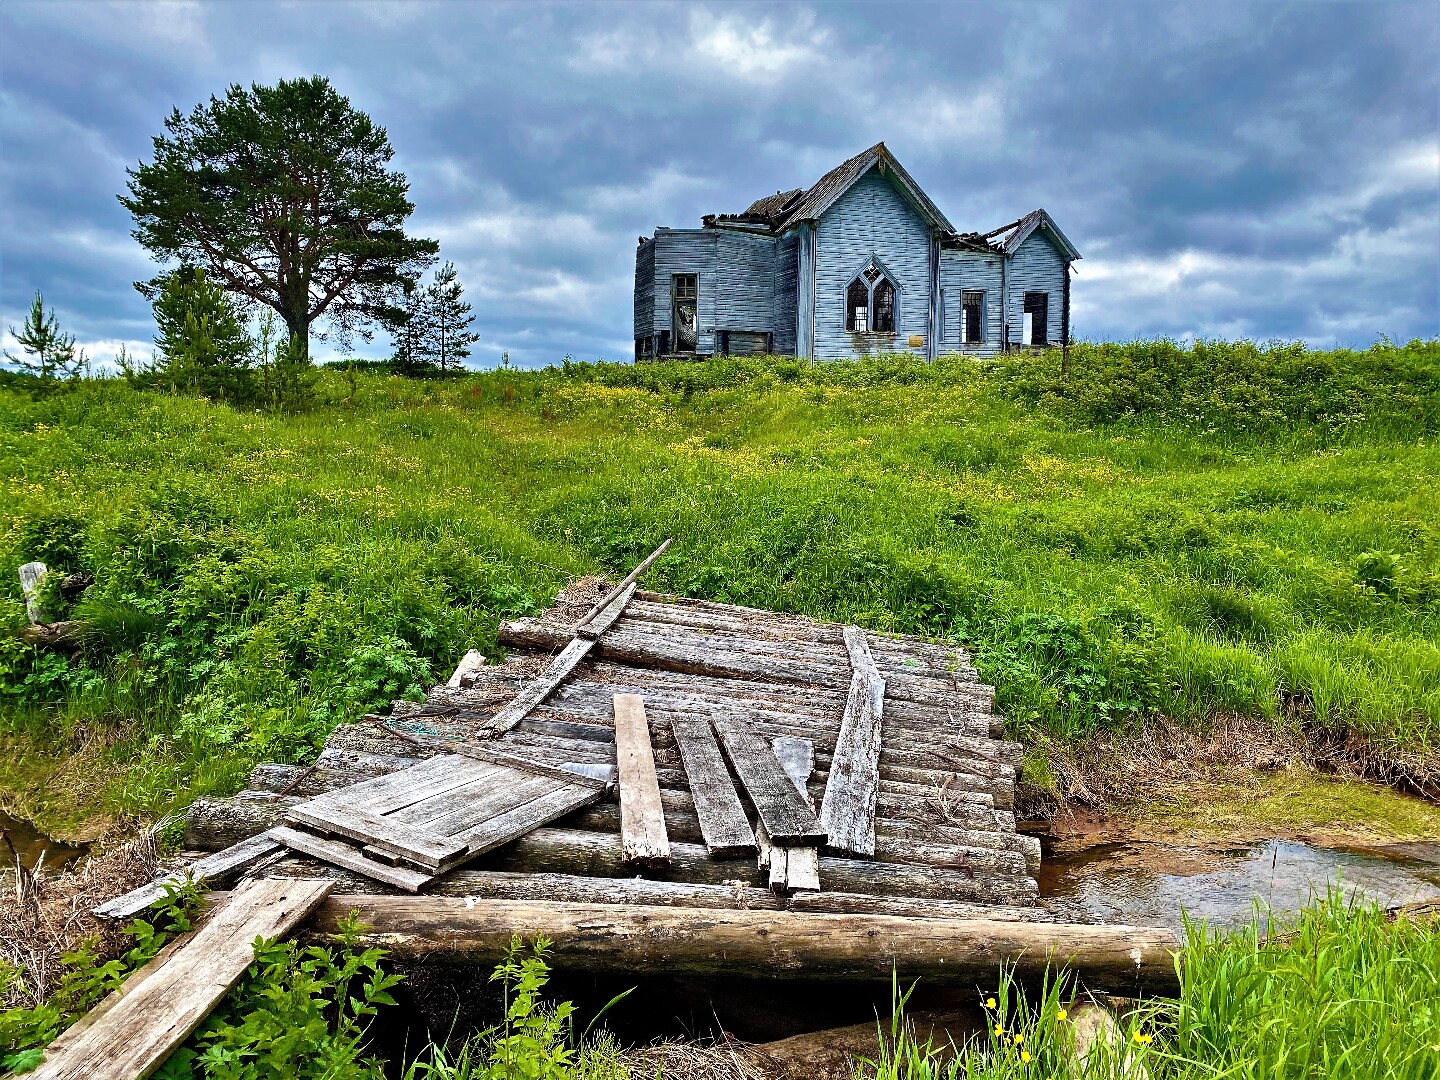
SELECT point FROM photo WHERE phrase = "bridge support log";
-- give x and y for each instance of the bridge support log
(768, 944)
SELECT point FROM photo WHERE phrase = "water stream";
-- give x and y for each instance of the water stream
(1149, 884)
(29, 843)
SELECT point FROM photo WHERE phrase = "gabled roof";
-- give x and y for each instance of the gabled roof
(1008, 238)
(787, 208)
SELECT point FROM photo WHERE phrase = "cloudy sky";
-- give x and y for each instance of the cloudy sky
(1259, 170)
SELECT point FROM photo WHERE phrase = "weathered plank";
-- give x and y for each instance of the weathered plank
(156, 1013)
(397, 790)
(538, 689)
(505, 827)
(217, 867)
(770, 944)
(785, 813)
(338, 853)
(642, 815)
(605, 617)
(625, 586)
(415, 844)
(723, 822)
(847, 811)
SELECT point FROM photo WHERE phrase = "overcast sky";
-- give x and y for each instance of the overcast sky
(1258, 170)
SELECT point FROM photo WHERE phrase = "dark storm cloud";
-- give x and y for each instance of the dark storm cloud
(1264, 170)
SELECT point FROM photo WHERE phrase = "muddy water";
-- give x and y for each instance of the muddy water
(1151, 883)
(29, 843)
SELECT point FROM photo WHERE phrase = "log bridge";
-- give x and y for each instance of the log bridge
(658, 783)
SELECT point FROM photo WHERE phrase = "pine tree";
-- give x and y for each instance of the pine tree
(202, 347)
(48, 352)
(413, 335)
(450, 318)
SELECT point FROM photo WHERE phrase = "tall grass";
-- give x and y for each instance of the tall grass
(1342, 991)
(1114, 545)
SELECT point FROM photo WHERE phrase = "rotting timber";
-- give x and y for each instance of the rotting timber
(815, 801)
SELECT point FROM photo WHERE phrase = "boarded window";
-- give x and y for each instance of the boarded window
(883, 320)
(1037, 307)
(683, 312)
(972, 322)
(857, 307)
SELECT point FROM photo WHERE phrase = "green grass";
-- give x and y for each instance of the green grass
(1341, 992)
(1186, 532)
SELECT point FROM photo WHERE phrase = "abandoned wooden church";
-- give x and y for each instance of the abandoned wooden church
(861, 263)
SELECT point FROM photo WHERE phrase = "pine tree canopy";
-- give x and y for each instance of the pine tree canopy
(284, 195)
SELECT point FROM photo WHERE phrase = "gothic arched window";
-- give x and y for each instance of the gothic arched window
(870, 302)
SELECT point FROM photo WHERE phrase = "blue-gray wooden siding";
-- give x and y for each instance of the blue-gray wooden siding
(787, 289)
(872, 218)
(961, 271)
(1037, 266)
(734, 281)
(645, 289)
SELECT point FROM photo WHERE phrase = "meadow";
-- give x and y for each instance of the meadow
(1220, 530)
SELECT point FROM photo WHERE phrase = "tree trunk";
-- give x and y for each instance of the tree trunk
(772, 944)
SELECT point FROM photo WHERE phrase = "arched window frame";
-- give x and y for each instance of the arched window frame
(859, 276)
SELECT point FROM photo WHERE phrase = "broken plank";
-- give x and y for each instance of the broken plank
(493, 754)
(607, 616)
(625, 584)
(222, 864)
(156, 1012)
(341, 854)
(643, 837)
(538, 689)
(785, 813)
(523, 819)
(847, 810)
(396, 837)
(397, 790)
(723, 823)
(802, 871)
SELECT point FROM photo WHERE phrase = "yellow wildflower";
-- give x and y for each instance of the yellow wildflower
(1019, 1038)
(1025, 1056)
(1062, 1015)
(999, 1029)
(990, 1003)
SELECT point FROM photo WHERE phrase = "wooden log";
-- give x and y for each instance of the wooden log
(594, 854)
(467, 670)
(234, 860)
(67, 635)
(503, 885)
(785, 813)
(642, 815)
(769, 944)
(722, 819)
(213, 824)
(853, 785)
(154, 1015)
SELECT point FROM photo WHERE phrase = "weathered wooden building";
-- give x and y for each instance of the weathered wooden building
(860, 263)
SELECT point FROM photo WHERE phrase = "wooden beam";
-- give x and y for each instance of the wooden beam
(723, 823)
(643, 838)
(628, 580)
(539, 688)
(607, 616)
(847, 810)
(155, 1013)
(212, 868)
(770, 944)
(786, 815)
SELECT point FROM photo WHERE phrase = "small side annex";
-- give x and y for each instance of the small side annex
(860, 263)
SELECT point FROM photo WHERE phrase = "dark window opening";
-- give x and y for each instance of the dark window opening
(972, 306)
(724, 342)
(1037, 307)
(684, 289)
(883, 320)
(857, 307)
(663, 348)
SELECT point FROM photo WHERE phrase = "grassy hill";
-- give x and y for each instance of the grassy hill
(1186, 533)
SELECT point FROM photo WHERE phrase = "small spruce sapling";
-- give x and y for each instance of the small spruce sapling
(47, 351)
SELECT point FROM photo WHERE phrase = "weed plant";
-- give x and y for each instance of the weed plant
(1226, 528)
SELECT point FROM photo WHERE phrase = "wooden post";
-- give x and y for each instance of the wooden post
(32, 575)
